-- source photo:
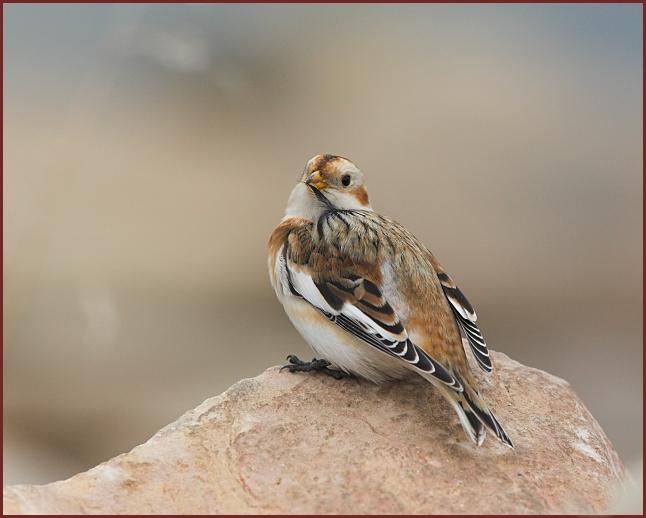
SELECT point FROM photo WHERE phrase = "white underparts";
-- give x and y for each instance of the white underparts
(337, 346)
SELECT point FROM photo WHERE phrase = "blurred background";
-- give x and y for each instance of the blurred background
(149, 151)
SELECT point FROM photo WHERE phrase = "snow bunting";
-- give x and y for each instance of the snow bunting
(369, 298)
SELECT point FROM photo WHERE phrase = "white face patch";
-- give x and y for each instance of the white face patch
(345, 167)
(302, 202)
(345, 200)
(349, 167)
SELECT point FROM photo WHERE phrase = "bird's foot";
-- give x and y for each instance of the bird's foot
(297, 365)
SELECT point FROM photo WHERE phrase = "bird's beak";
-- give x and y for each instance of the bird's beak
(316, 180)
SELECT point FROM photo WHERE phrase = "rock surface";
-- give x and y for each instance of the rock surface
(306, 443)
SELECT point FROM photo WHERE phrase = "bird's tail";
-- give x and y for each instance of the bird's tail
(475, 417)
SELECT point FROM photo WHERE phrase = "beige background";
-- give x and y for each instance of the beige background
(149, 151)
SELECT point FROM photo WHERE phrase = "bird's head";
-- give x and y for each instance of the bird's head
(328, 182)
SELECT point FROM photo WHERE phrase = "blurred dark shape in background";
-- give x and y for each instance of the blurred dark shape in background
(149, 151)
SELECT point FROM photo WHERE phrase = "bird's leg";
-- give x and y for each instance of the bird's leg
(297, 365)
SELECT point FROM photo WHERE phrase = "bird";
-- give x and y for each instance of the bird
(370, 299)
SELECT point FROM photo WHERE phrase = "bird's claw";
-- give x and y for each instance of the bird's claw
(317, 365)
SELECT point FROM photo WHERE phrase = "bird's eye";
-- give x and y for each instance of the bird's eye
(345, 180)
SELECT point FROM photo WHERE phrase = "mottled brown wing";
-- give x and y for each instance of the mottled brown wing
(357, 305)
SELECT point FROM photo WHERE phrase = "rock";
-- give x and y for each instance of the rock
(306, 443)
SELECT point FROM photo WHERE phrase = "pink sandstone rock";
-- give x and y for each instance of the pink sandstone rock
(306, 443)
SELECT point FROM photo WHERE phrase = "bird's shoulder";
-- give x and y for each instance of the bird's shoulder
(352, 240)
(293, 232)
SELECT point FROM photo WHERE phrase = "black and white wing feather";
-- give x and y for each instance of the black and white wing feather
(357, 305)
(466, 318)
